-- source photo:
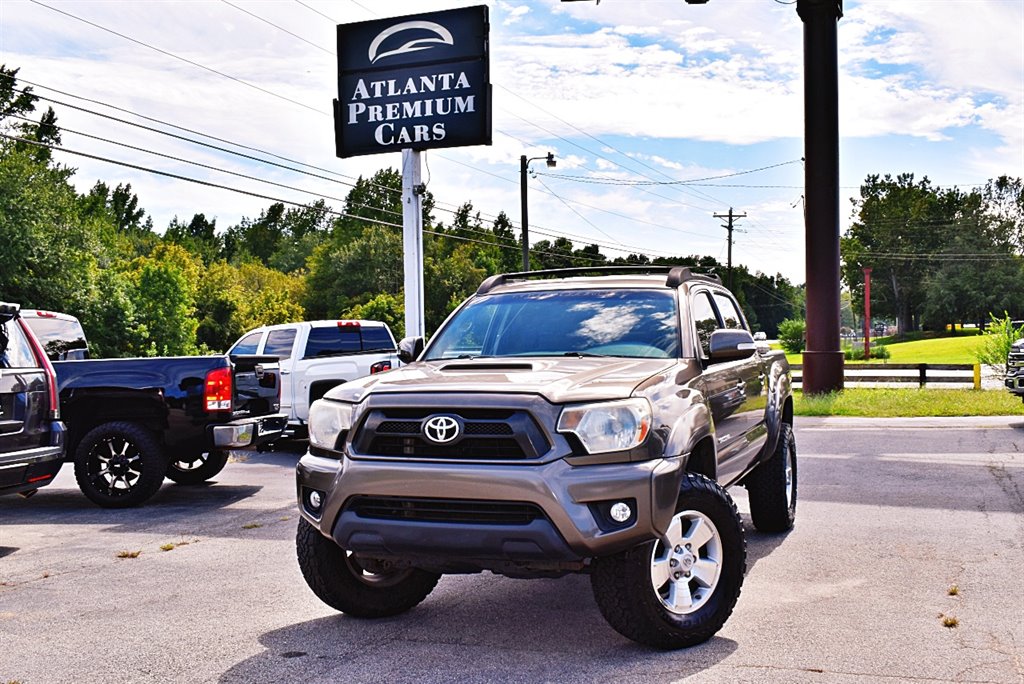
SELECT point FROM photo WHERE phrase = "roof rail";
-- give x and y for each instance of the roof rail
(675, 275)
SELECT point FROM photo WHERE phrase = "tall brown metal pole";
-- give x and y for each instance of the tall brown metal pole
(823, 359)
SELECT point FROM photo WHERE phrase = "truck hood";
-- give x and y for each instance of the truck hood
(559, 380)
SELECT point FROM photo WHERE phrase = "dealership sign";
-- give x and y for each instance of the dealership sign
(415, 82)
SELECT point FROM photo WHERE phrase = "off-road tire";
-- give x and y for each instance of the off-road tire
(337, 579)
(119, 464)
(772, 509)
(625, 591)
(197, 468)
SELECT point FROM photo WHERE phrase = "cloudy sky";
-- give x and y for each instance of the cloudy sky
(643, 91)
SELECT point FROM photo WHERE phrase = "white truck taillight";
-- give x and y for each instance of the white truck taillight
(380, 367)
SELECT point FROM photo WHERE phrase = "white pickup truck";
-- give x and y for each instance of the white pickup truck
(318, 355)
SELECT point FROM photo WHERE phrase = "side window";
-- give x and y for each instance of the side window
(279, 343)
(377, 339)
(333, 340)
(17, 353)
(730, 314)
(704, 320)
(247, 345)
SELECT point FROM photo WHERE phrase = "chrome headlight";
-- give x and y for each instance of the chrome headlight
(608, 426)
(327, 420)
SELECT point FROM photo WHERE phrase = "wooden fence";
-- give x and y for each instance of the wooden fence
(922, 374)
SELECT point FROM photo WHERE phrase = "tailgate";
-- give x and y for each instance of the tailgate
(257, 384)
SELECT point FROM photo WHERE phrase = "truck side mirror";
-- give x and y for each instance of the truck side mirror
(731, 345)
(409, 349)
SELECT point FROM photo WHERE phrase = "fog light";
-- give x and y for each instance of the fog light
(314, 499)
(620, 512)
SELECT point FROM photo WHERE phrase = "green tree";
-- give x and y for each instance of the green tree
(49, 253)
(791, 335)
(384, 307)
(164, 300)
(199, 236)
(999, 337)
(343, 274)
(110, 319)
(256, 239)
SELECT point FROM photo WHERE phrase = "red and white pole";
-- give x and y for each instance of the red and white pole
(867, 313)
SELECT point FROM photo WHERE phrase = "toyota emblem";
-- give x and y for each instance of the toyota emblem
(441, 429)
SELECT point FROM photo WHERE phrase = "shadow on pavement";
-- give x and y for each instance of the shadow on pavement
(507, 633)
(7, 550)
(171, 510)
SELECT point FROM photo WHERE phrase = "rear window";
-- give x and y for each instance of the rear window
(15, 349)
(61, 339)
(335, 340)
(279, 343)
(247, 345)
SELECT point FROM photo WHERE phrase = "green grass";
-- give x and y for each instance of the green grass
(959, 349)
(907, 403)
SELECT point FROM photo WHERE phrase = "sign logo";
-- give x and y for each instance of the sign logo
(442, 36)
(441, 429)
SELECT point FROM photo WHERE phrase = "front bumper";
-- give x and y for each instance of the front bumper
(570, 498)
(246, 432)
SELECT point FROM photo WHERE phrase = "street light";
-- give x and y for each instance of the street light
(523, 165)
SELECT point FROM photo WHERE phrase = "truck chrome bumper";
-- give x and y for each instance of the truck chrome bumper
(249, 431)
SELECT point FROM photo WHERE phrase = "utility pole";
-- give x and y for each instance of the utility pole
(524, 166)
(729, 227)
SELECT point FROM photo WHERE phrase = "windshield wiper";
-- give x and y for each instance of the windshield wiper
(585, 355)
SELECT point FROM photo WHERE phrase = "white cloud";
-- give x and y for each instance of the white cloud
(696, 90)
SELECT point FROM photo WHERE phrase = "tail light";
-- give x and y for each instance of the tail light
(380, 367)
(217, 391)
(348, 324)
(51, 375)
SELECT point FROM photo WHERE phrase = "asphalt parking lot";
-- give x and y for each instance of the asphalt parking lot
(893, 515)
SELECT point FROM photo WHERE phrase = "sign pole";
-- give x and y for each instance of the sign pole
(412, 241)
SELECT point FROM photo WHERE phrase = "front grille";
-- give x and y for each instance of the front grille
(483, 449)
(486, 434)
(445, 510)
(399, 427)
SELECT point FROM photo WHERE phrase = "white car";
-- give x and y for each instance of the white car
(318, 355)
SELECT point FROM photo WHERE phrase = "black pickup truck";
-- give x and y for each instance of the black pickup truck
(131, 422)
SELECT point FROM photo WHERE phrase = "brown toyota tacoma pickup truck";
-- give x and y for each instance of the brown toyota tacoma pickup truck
(558, 422)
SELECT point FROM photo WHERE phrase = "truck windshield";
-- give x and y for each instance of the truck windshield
(628, 323)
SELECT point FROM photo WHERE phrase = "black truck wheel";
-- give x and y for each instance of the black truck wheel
(119, 464)
(772, 487)
(338, 579)
(678, 591)
(196, 468)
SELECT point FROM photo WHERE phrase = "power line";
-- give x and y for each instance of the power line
(183, 59)
(694, 181)
(541, 230)
(588, 221)
(280, 28)
(249, 193)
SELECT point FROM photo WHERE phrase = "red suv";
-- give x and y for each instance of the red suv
(31, 432)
